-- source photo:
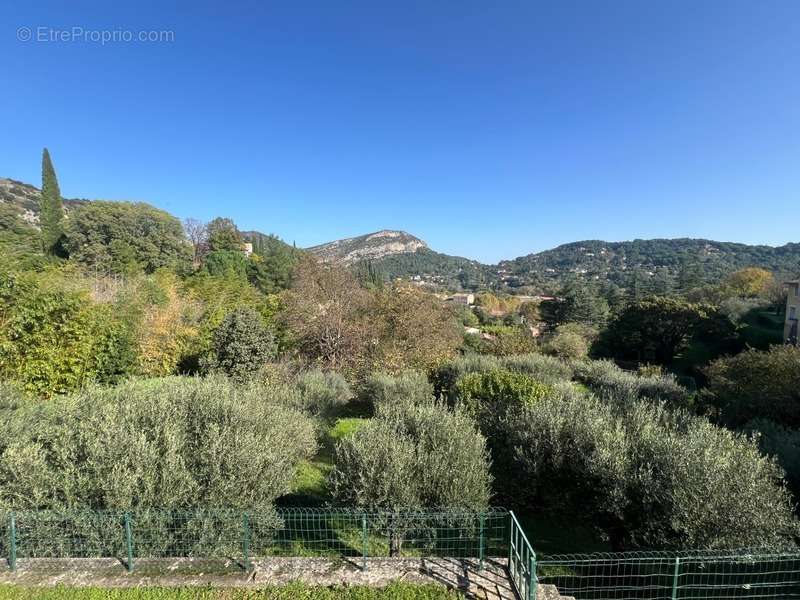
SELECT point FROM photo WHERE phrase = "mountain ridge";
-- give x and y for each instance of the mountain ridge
(399, 254)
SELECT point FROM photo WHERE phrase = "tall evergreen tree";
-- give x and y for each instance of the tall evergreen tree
(51, 210)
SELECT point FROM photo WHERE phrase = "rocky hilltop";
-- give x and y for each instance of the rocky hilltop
(372, 246)
(24, 198)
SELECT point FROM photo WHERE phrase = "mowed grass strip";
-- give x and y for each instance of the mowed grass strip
(395, 591)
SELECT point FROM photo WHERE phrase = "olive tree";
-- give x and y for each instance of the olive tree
(647, 476)
(412, 457)
(408, 387)
(175, 442)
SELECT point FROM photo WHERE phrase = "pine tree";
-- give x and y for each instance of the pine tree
(51, 210)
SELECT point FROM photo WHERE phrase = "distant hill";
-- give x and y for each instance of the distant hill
(707, 260)
(400, 254)
(24, 198)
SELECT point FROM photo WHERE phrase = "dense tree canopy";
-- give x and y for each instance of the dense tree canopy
(656, 329)
(123, 237)
(757, 384)
(223, 235)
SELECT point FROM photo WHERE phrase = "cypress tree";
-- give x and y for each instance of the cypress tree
(51, 211)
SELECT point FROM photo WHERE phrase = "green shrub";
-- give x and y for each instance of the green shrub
(241, 345)
(648, 477)
(567, 342)
(611, 383)
(409, 387)
(322, 390)
(54, 339)
(498, 387)
(413, 456)
(782, 443)
(546, 369)
(757, 384)
(165, 443)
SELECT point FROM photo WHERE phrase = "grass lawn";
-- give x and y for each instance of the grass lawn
(394, 591)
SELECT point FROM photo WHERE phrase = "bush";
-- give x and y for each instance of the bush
(241, 345)
(507, 340)
(54, 339)
(782, 443)
(383, 390)
(498, 387)
(413, 456)
(648, 477)
(321, 391)
(546, 369)
(175, 442)
(757, 384)
(611, 383)
(569, 342)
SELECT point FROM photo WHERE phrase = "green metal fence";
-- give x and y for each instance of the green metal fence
(155, 542)
(232, 540)
(752, 574)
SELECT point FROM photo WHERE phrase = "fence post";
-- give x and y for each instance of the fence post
(533, 579)
(129, 541)
(246, 540)
(481, 542)
(675, 578)
(510, 541)
(364, 541)
(12, 534)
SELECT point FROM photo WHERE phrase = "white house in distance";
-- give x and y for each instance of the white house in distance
(792, 312)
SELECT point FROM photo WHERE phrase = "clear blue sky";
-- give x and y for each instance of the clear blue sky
(489, 129)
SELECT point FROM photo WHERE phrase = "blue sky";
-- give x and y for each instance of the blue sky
(489, 129)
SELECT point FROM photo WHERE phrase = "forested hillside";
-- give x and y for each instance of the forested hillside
(675, 262)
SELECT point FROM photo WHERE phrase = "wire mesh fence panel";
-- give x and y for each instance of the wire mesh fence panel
(673, 576)
(230, 540)
(607, 576)
(739, 576)
(59, 540)
(186, 540)
(444, 534)
(308, 532)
